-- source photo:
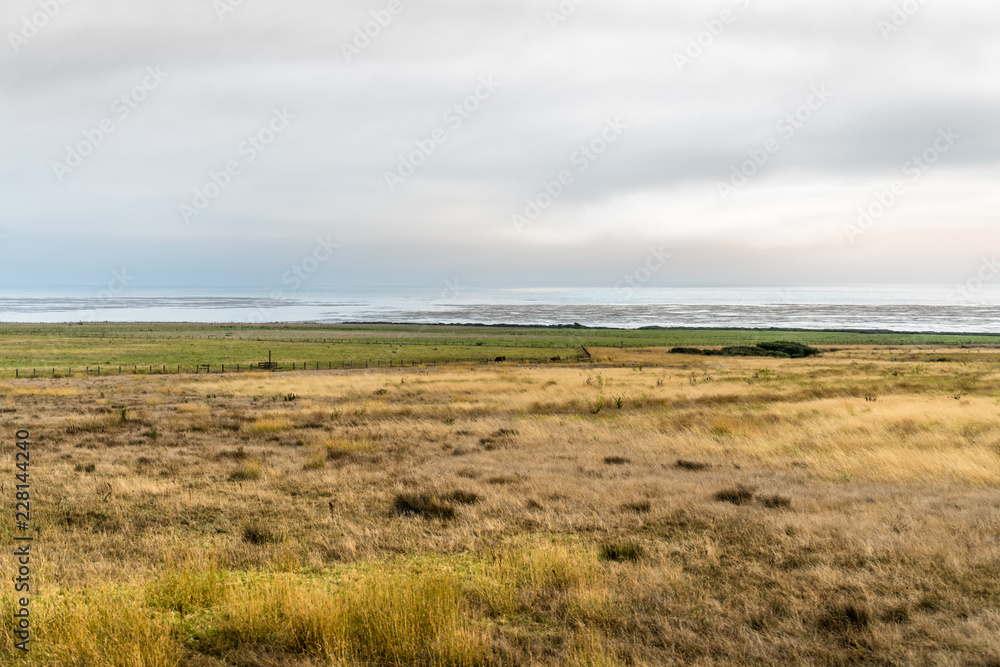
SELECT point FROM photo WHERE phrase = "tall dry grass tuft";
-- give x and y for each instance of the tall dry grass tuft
(593, 649)
(266, 425)
(107, 627)
(520, 578)
(391, 618)
(187, 587)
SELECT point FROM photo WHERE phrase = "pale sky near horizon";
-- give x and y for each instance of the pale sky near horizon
(741, 138)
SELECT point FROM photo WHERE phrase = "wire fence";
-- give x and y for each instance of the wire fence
(273, 367)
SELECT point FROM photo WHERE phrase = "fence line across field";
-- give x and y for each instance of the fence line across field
(177, 369)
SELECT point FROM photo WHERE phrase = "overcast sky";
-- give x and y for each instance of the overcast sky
(741, 138)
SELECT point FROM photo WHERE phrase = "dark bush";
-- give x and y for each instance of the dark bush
(778, 349)
(740, 495)
(629, 552)
(462, 497)
(257, 534)
(423, 504)
(899, 614)
(686, 350)
(793, 350)
(755, 351)
(775, 502)
(845, 618)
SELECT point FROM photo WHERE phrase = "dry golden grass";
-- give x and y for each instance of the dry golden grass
(701, 510)
(265, 425)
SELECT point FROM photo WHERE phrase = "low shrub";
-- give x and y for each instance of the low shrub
(626, 552)
(738, 495)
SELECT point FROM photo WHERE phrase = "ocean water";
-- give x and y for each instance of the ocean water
(861, 307)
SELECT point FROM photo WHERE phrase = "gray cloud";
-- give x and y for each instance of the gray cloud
(325, 174)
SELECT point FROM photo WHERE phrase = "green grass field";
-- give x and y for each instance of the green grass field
(62, 347)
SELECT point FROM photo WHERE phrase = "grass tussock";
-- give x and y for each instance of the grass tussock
(342, 448)
(462, 497)
(266, 425)
(691, 465)
(427, 505)
(390, 618)
(774, 501)
(107, 424)
(315, 461)
(107, 626)
(737, 495)
(848, 617)
(622, 552)
(247, 472)
(500, 439)
(258, 533)
(188, 587)
(638, 507)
